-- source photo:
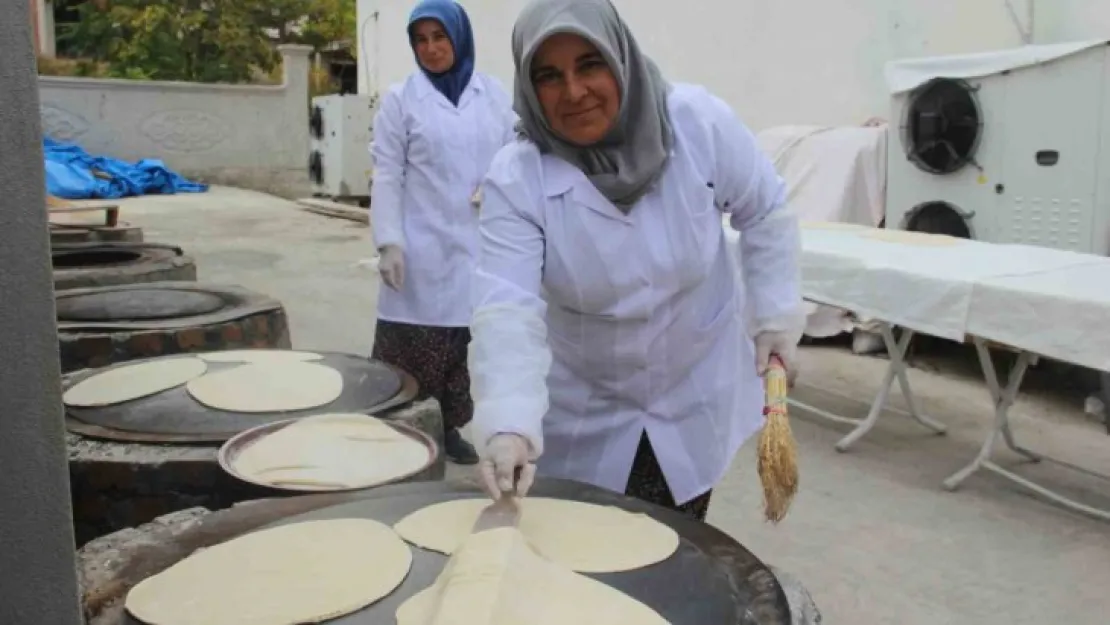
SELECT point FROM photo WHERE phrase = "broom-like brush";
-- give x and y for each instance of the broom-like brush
(778, 462)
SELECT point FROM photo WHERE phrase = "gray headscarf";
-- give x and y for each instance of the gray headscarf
(625, 164)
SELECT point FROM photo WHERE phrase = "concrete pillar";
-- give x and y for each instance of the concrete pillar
(295, 68)
(38, 577)
(48, 39)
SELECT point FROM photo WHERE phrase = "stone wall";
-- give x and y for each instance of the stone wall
(254, 137)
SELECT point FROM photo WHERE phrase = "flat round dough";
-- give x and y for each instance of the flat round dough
(133, 381)
(259, 356)
(497, 579)
(331, 452)
(583, 537)
(909, 237)
(269, 387)
(301, 573)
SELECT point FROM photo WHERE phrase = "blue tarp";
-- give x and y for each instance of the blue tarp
(74, 174)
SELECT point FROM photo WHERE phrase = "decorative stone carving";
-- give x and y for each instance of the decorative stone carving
(62, 125)
(185, 130)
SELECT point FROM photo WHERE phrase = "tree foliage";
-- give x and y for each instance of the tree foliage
(202, 40)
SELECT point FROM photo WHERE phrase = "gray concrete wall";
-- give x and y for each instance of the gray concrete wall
(38, 575)
(254, 137)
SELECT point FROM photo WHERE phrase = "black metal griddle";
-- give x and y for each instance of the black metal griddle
(173, 416)
(163, 305)
(710, 580)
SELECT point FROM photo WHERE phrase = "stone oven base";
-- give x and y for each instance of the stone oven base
(120, 485)
(75, 233)
(87, 350)
(152, 263)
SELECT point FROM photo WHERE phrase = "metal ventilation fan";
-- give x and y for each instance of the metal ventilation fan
(316, 123)
(942, 127)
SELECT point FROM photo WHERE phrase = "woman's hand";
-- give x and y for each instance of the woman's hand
(502, 456)
(771, 343)
(392, 266)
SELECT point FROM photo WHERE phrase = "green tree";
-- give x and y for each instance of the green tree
(203, 40)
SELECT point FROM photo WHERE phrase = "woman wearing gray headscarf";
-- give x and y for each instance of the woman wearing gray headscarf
(616, 338)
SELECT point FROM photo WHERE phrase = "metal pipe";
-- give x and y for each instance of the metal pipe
(38, 576)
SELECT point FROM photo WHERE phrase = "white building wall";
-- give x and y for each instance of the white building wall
(776, 62)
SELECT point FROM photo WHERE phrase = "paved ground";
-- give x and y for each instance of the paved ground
(872, 534)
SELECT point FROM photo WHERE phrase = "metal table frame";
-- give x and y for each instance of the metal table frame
(1002, 396)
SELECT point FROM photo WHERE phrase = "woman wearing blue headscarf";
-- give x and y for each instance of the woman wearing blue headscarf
(435, 135)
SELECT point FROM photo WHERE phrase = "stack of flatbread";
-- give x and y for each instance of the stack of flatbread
(332, 451)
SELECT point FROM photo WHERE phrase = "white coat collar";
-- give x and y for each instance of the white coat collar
(425, 88)
(560, 177)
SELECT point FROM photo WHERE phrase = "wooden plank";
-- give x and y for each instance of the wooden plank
(110, 209)
(335, 209)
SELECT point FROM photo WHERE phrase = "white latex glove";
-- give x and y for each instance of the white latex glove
(392, 267)
(503, 455)
(780, 344)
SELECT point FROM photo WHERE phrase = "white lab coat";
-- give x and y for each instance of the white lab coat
(429, 158)
(645, 314)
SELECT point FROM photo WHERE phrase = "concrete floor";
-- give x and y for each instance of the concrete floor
(872, 534)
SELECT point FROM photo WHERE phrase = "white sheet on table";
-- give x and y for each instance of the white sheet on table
(1060, 313)
(927, 289)
(1046, 301)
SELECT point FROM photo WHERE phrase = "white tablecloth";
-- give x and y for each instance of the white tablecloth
(1046, 301)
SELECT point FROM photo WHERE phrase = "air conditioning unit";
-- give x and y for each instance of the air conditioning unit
(340, 129)
(1010, 146)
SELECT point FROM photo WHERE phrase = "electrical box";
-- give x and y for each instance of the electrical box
(340, 130)
(1010, 146)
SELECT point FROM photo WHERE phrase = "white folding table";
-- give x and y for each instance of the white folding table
(1038, 301)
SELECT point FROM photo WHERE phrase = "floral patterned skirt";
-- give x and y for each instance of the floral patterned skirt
(436, 357)
(647, 482)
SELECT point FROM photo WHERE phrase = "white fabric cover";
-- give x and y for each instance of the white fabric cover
(909, 74)
(835, 174)
(1059, 313)
(1049, 302)
(831, 174)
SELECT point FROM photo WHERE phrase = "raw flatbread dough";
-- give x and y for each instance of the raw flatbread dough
(300, 573)
(134, 381)
(259, 356)
(583, 537)
(330, 452)
(920, 239)
(497, 579)
(268, 387)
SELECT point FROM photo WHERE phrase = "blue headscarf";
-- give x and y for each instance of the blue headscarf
(456, 23)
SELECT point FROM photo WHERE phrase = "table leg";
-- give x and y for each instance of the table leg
(896, 350)
(1002, 398)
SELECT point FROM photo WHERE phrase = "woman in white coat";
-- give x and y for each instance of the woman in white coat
(616, 340)
(434, 137)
